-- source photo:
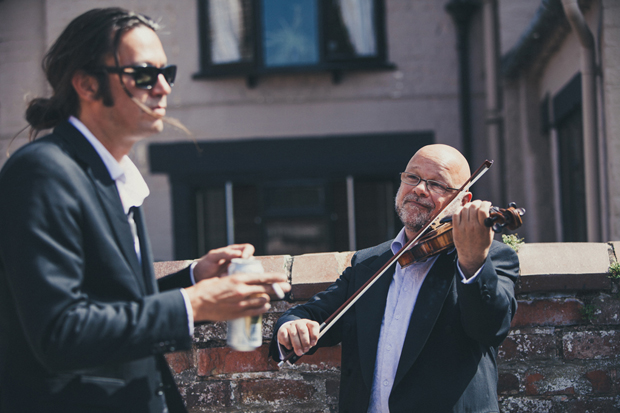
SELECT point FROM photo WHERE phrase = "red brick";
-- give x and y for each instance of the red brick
(180, 361)
(523, 404)
(224, 360)
(212, 393)
(530, 346)
(531, 389)
(600, 380)
(548, 312)
(217, 332)
(324, 358)
(586, 405)
(607, 310)
(269, 320)
(567, 390)
(209, 332)
(282, 306)
(273, 390)
(307, 291)
(585, 345)
(332, 388)
(507, 383)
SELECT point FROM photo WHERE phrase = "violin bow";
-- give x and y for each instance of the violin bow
(291, 357)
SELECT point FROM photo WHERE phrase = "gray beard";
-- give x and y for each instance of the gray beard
(421, 217)
(417, 220)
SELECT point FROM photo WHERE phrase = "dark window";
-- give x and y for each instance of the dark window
(286, 196)
(297, 217)
(257, 37)
(572, 178)
(568, 116)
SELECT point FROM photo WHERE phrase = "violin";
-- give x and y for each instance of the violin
(437, 217)
(438, 237)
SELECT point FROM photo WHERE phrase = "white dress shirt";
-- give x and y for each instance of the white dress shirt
(132, 189)
(401, 300)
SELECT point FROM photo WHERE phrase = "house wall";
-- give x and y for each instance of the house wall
(420, 95)
(514, 17)
(533, 154)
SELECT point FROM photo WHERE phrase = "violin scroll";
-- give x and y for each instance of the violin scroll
(501, 218)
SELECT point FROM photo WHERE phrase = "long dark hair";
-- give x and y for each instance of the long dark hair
(83, 45)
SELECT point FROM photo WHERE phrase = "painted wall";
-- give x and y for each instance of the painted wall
(421, 94)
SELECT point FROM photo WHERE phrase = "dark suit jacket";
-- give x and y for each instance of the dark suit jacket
(448, 361)
(82, 325)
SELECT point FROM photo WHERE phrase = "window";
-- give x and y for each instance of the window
(257, 37)
(568, 120)
(285, 196)
(296, 217)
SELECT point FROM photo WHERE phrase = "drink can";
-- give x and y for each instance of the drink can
(245, 334)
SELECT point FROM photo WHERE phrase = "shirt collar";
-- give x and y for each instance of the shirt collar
(113, 167)
(399, 241)
(131, 185)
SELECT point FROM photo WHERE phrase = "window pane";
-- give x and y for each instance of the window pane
(211, 219)
(572, 178)
(290, 35)
(297, 236)
(375, 218)
(230, 24)
(294, 199)
(351, 29)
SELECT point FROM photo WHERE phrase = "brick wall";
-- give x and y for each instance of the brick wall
(561, 354)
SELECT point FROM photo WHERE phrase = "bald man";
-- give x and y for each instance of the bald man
(424, 338)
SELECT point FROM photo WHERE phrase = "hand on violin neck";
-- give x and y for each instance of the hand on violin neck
(472, 238)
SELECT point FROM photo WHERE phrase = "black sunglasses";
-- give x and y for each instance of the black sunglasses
(145, 77)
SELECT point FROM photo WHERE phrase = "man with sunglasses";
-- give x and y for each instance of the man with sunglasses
(83, 324)
(424, 338)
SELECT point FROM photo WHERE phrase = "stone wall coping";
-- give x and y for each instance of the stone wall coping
(545, 267)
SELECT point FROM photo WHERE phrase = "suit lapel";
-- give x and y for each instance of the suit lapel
(107, 193)
(429, 303)
(145, 250)
(369, 312)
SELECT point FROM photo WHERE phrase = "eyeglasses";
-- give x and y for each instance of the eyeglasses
(436, 187)
(145, 77)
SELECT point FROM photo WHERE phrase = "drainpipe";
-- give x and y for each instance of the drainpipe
(602, 134)
(462, 12)
(590, 135)
(494, 118)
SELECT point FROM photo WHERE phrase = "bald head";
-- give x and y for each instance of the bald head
(446, 162)
(415, 204)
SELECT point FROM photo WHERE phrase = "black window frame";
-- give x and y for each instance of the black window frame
(255, 69)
